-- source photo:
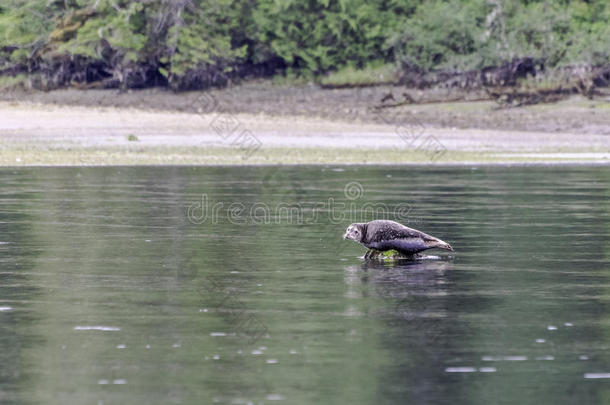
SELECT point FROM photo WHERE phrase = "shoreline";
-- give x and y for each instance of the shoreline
(339, 165)
(61, 134)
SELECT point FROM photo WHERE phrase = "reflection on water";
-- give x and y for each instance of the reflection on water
(111, 293)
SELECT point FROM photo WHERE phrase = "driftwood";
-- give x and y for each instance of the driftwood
(409, 100)
(510, 97)
(506, 75)
(583, 80)
(521, 82)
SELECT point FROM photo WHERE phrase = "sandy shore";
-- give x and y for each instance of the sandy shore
(33, 133)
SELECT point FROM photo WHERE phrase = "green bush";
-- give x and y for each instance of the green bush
(589, 33)
(201, 43)
(441, 35)
(24, 25)
(320, 35)
(469, 34)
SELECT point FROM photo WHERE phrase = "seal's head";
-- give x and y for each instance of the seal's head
(354, 232)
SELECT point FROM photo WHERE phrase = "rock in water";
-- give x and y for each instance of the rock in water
(380, 236)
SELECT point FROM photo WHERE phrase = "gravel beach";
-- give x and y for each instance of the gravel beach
(69, 128)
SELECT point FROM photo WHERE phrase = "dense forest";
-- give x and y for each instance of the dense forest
(189, 44)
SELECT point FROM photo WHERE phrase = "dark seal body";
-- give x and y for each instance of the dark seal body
(382, 235)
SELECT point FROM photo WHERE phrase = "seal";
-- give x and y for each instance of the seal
(381, 235)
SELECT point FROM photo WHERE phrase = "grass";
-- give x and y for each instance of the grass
(369, 76)
(291, 78)
(134, 154)
(13, 82)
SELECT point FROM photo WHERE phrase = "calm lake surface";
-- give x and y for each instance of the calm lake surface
(233, 286)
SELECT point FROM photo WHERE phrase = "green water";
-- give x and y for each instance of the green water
(233, 286)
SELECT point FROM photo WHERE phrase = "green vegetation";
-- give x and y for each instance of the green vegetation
(462, 35)
(11, 82)
(350, 76)
(202, 43)
(389, 255)
(138, 154)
